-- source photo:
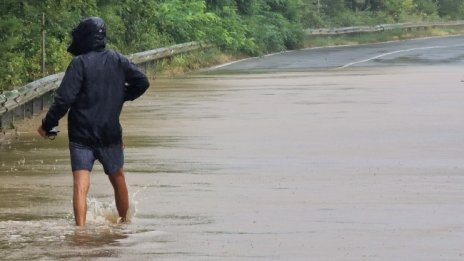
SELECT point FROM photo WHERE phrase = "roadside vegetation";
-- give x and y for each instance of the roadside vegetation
(391, 35)
(236, 27)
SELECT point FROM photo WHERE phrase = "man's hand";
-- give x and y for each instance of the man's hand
(42, 132)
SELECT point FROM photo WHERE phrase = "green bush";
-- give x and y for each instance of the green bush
(254, 27)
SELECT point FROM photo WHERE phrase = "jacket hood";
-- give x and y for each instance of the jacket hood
(89, 35)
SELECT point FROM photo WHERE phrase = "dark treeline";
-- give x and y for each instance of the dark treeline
(246, 26)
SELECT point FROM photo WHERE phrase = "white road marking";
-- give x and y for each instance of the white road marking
(400, 51)
(349, 45)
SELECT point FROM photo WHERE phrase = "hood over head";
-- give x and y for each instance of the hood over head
(89, 35)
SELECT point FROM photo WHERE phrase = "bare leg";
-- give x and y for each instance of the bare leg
(121, 194)
(81, 188)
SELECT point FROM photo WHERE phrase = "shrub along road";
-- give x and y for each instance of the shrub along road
(357, 163)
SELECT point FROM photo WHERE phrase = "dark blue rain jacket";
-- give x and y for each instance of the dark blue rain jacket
(95, 86)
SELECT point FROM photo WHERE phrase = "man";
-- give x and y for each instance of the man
(96, 84)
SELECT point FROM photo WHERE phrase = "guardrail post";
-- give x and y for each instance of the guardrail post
(149, 68)
(34, 97)
(6, 120)
(18, 113)
(37, 105)
(29, 109)
(48, 100)
(382, 27)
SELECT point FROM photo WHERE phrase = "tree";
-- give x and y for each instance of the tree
(453, 9)
(426, 7)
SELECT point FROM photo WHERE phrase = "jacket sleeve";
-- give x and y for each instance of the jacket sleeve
(136, 82)
(65, 95)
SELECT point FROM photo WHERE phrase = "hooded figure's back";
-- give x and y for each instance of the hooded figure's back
(89, 35)
(96, 84)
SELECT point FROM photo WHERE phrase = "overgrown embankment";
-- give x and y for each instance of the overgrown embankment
(206, 58)
(376, 37)
(236, 27)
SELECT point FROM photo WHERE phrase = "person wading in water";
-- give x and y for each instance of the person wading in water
(94, 88)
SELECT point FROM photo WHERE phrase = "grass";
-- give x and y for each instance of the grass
(189, 62)
(185, 63)
(392, 35)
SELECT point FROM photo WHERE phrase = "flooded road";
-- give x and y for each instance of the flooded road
(416, 52)
(352, 164)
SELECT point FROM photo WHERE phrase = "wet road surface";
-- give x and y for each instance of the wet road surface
(363, 162)
(430, 51)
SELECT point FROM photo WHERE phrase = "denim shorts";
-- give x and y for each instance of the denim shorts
(83, 157)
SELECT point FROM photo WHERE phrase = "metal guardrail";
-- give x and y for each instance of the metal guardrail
(379, 28)
(34, 97)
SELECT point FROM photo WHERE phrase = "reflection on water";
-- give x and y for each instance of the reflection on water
(25, 237)
(269, 166)
(97, 236)
(56, 238)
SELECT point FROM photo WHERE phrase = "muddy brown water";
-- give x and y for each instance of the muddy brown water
(337, 165)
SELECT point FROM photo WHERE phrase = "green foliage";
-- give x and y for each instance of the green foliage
(399, 8)
(10, 37)
(427, 7)
(453, 9)
(239, 26)
(185, 20)
(229, 32)
(369, 12)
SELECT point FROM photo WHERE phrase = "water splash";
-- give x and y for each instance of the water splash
(100, 212)
(57, 237)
